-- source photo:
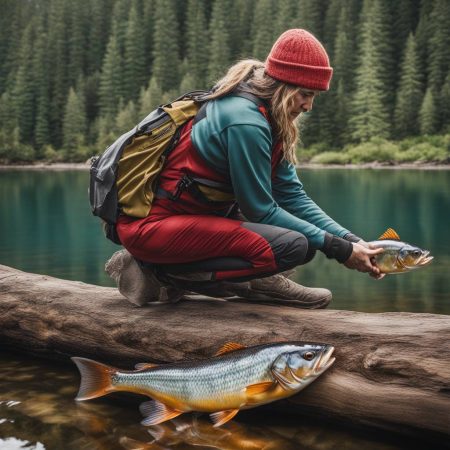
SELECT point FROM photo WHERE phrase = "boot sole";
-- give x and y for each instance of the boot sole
(254, 298)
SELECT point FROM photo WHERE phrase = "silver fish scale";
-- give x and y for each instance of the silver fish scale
(210, 379)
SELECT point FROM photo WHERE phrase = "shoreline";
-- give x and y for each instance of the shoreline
(373, 165)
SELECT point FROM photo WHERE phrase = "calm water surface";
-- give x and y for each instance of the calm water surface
(46, 227)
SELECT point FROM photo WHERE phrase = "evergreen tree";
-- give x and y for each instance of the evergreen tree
(74, 125)
(148, 32)
(445, 102)
(99, 26)
(24, 89)
(422, 36)
(149, 98)
(246, 9)
(235, 31)
(330, 25)
(219, 50)
(126, 118)
(135, 66)
(41, 66)
(310, 15)
(188, 83)
(8, 121)
(197, 41)
(165, 45)
(409, 93)
(370, 113)
(58, 54)
(344, 71)
(110, 79)
(406, 16)
(285, 17)
(439, 45)
(263, 35)
(427, 114)
(76, 42)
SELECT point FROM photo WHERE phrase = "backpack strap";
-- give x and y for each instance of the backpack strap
(239, 92)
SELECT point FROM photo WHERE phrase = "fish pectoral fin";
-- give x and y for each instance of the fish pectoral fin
(229, 347)
(258, 388)
(156, 412)
(221, 417)
(389, 234)
(143, 366)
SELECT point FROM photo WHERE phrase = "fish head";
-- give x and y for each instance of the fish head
(411, 257)
(303, 364)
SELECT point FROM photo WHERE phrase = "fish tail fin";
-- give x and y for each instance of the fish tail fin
(95, 378)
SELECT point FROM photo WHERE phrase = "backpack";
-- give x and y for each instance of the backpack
(124, 176)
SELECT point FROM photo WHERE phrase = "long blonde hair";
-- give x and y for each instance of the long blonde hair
(280, 97)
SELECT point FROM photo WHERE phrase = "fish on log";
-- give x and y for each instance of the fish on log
(392, 370)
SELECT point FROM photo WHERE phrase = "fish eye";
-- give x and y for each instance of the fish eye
(416, 253)
(308, 356)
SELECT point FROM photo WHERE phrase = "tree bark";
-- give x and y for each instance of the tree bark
(392, 369)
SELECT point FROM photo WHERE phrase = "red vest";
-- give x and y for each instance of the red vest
(183, 160)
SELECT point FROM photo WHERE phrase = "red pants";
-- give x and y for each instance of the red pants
(224, 247)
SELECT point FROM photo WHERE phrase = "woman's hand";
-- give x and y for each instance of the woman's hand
(362, 259)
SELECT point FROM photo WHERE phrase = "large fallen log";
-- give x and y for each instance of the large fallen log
(392, 370)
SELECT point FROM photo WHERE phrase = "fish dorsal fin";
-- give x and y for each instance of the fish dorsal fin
(156, 412)
(230, 347)
(143, 366)
(221, 417)
(389, 234)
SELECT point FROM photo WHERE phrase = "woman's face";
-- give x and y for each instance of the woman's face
(303, 102)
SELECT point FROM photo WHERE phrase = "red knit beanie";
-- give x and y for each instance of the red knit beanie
(298, 58)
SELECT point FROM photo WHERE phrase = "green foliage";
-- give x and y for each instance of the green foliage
(111, 78)
(126, 118)
(134, 57)
(409, 93)
(166, 57)
(262, 29)
(424, 149)
(74, 127)
(370, 116)
(149, 98)
(439, 44)
(197, 41)
(331, 158)
(427, 114)
(376, 149)
(112, 52)
(219, 50)
(12, 150)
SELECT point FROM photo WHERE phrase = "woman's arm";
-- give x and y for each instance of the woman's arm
(289, 193)
(249, 156)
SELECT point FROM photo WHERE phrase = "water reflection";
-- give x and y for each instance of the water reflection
(46, 227)
(37, 408)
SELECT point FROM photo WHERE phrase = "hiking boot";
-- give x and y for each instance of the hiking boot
(280, 290)
(139, 284)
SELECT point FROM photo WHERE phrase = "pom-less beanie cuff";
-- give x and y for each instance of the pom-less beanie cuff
(298, 58)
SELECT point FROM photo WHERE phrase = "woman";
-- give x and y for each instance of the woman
(240, 150)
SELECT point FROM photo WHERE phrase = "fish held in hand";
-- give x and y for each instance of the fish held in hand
(236, 378)
(398, 256)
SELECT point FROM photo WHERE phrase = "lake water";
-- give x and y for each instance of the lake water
(46, 227)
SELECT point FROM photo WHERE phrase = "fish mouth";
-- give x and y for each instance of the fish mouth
(324, 362)
(425, 259)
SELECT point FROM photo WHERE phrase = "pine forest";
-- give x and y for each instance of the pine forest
(74, 75)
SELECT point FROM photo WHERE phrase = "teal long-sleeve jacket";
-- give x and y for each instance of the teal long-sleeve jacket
(236, 139)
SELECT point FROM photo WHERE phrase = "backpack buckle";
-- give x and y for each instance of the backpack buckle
(182, 185)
